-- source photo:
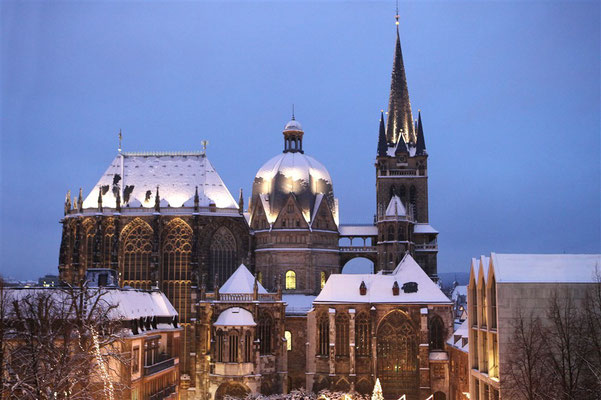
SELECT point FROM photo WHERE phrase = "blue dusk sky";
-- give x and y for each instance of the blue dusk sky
(509, 93)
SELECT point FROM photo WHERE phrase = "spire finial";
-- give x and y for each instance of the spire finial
(204, 144)
(396, 16)
(120, 139)
(293, 111)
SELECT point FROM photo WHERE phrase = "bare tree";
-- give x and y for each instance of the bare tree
(527, 376)
(591, 353)
(64, 344)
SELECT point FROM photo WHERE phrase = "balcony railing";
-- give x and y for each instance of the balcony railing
(159, 366)
(358, 249)
(163, 394)
(399, 172)
(425, 246)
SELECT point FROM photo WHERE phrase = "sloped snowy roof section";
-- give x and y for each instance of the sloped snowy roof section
(343, 288)
(395, 207)
(241, 281)
(135, 176)
(235, 316)
(545, 268)
(358, 230)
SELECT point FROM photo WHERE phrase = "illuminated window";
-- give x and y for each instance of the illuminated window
(233, 342)
(260, 277)
(288, 336)
(322, 279)
(248, 345)
(90, 237)
(107, 243)
(137, 247)
(290, 280)
(177, 248)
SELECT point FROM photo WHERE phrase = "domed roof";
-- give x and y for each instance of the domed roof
(293, 125)
(293, 172)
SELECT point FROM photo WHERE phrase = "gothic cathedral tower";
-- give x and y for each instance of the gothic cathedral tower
(402, 181)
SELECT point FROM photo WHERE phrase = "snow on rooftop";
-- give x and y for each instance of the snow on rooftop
(423, 228)
(460, 290)
(545, 268)
(298, 304)
(458, 339)
(358, 230)
(131, 303)
(344, 288)
(176, 174)
(235, 316)
(241, 281)
(395, 207)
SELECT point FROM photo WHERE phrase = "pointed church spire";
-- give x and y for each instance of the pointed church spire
(241, 202)
(399, 107)
(420, 147)
(80, 201)
(382, 145)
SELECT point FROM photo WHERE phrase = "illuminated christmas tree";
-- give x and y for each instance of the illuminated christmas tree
(377, 393)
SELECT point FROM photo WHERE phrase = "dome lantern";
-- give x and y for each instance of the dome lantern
(293, 137)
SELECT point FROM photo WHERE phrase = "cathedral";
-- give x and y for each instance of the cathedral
(259, 292)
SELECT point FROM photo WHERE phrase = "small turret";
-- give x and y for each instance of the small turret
(118, 201)
(196, 199)
(420, 148)
(68, 202)
(382, 145)
(100, 199)
(80, 201)
(157, 201)
(241, 202)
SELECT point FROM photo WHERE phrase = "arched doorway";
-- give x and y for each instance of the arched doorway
(440, 396)
(397, 349)
(233, 389)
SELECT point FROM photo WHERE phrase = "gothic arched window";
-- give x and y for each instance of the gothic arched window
(363, 335)
(137, 247)
(234, 341)
(107, 243)
(436, 331)
(322, 279)
(323, 333)
(390, 233)
(177, 248)
(265, 328)
(402, 233)
(89, 230)
(402, 193)
(342, 334)
(248, 346)
(219, 346)
(288, 336)
(413, 200)
(223, 255)
(290, 280)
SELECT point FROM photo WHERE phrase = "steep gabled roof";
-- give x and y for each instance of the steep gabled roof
(134, 175)
(241, 281)
(344, 288)
(395, 207)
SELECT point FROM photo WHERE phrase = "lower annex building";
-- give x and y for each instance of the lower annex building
(167, 220)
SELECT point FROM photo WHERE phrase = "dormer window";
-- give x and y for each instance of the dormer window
(410, 287)
(362, 289)
(395, 288)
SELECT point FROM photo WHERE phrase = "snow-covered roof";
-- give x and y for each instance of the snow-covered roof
(395, 207)
(459, 338)
(423, 228)
(298, 303)
(344, 288)
(358, 230)
(241, 281)
(293, 125)
(460, 290)
(235, 316)
(131, 303)
(545, 268)
(176, 174)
